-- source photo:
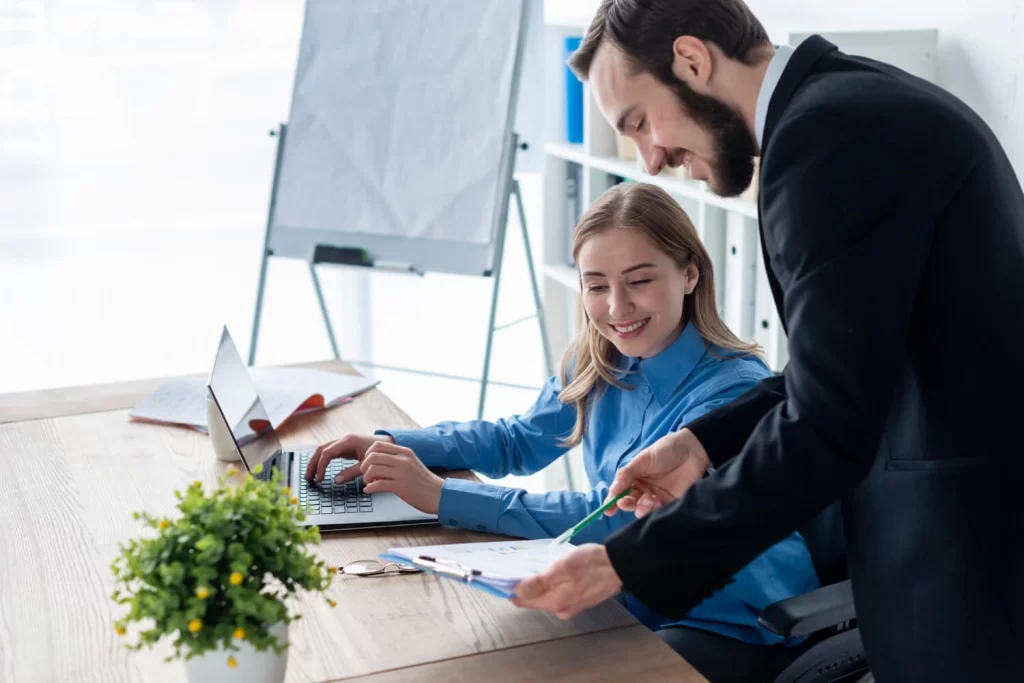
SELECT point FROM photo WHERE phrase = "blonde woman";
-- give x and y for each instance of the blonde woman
(654, 354)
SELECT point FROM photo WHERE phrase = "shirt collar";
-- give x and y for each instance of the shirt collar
(667, 370)
(771, 79)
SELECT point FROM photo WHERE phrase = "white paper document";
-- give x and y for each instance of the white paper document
(283, 391)
(502, 564)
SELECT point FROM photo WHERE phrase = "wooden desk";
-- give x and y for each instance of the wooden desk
(74, 469)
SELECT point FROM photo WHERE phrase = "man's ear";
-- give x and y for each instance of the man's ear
(691, 61)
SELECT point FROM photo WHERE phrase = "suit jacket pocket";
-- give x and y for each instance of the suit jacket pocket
(938, 464)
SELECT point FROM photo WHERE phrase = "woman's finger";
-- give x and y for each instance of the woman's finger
(381, 459)
(381, 486)
(390, 448)
(376, 472)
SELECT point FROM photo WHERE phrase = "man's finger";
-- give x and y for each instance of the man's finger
(531, 588)
(628, 503)
(643, 506)
(622, 481)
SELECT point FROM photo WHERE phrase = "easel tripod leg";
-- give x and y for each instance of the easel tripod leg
(323, 310)
(259, 308)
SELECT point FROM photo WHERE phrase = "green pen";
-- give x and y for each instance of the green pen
(569, 533)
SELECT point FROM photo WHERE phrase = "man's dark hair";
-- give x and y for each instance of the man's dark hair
(645, 30)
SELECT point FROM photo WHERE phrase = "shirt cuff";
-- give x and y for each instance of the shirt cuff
(470, 505)
(419, 442)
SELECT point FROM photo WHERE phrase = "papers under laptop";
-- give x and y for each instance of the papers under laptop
(495, 568)
(241, 412)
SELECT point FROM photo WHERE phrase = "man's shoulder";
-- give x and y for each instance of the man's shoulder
(840, 105)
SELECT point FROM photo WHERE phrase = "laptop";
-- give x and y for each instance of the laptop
(327, 505)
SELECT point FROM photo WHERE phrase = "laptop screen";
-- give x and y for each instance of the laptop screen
(242, 408)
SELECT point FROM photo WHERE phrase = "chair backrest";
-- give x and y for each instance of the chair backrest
(827, 544)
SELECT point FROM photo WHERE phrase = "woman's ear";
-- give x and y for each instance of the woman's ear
(692, 277)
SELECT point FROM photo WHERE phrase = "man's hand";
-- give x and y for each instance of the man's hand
(578, 581)
(660, 473)
(396, 469)
(350, 446)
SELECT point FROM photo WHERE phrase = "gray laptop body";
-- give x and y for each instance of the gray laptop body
(328, 506)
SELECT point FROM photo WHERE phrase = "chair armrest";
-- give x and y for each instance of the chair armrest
(811, 612)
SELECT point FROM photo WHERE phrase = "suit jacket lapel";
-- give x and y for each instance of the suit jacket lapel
(804, 57)
(800, 64)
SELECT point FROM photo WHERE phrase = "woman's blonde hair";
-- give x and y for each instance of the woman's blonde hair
(591, 359)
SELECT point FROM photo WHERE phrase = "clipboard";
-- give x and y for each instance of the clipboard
(495, 568)
(472, 577)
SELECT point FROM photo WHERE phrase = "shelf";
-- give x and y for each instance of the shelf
(563, 275)
(629, 169)
(570, 14)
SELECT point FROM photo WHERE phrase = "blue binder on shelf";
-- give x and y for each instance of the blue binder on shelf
(495, 568)
(573, 98)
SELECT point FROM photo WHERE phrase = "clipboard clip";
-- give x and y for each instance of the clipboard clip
(439, 567)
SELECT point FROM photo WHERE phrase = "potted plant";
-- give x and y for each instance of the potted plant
(216, 579)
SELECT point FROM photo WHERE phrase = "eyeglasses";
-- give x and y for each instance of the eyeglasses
(376, 568)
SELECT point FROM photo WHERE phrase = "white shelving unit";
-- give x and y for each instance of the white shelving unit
(728, 227)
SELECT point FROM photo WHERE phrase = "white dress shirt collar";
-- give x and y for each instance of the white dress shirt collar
(771, 79)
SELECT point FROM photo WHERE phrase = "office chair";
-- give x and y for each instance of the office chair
(833, 652)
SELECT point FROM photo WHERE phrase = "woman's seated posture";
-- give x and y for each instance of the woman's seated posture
(653, 355)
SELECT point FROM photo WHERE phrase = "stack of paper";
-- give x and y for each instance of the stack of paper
(493, 567)
(283, 391)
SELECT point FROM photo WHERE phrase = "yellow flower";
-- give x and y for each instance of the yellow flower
(197, 484)
(202, 592)
(163, 524)
(333, 570)
(120, 630)
(287, 491)
(235, 578)
(232, 662)
(231, 471)
(239, 634)
(332, 603)
(295, 501)
(195, 625)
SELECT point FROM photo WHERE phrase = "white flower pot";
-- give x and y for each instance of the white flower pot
(253, 666)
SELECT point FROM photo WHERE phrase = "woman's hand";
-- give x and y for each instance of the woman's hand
(396, 469)
(350, 446)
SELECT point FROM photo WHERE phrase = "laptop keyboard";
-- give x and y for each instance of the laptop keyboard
(328, 498)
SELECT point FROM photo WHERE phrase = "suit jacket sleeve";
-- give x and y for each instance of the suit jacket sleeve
(723, 431)
(850, 204)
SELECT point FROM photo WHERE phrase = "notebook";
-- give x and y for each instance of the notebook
(495, 568)
(284, 392)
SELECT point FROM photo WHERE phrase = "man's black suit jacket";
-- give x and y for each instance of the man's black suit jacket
(893, 227)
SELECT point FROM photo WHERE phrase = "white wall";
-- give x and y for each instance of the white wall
(981, 48)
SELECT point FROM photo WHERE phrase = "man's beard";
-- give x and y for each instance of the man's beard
(734, 148)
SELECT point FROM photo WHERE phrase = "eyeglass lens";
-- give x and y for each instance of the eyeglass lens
(372, 567)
